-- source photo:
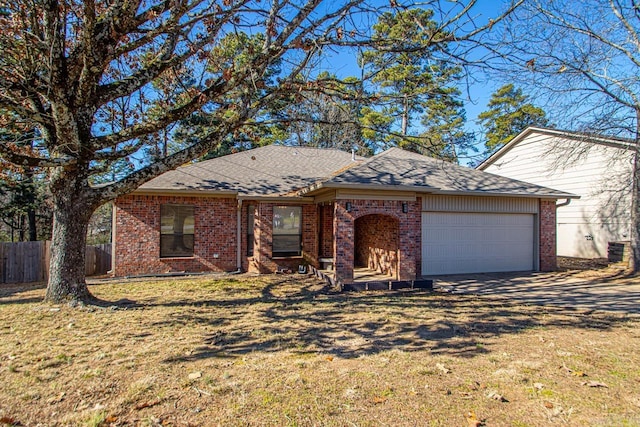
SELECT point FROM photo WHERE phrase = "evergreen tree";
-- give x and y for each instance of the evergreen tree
(509, 114)
(414, 80)
(444, 136)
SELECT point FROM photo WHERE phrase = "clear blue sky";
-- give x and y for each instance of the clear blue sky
(475, 96)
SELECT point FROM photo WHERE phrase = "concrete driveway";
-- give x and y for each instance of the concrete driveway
(572, 289)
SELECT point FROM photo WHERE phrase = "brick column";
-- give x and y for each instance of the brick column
(410, 241)
(547, 216)
(310, 244)
(263, 230)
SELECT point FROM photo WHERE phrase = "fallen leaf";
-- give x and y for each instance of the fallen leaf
(595, 384)
(443, 368)
(472, 419)
(378, 399)
(548, 405)
(495, 396)
(143, 405)
(578, 374)
(56, 399)
(329, 358)
(10, 421)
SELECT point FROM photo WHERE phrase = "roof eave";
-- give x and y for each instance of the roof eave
(277, 199)
(313, 189)
(316, 188)
(183, 192)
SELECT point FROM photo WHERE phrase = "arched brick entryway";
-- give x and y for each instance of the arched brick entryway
(405, 214)
(376, 245)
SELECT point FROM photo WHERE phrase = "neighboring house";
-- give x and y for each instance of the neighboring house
(399, 213)
(596, 168)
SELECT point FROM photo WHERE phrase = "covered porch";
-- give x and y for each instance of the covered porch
(369, 240)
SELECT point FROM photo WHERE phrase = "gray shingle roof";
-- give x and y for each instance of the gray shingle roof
(266, 171)
(289, 171)
(404, 170)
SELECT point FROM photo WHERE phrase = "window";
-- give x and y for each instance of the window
(251, 212)
(176, 231)
(287, 231)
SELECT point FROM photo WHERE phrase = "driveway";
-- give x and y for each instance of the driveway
(584, 290)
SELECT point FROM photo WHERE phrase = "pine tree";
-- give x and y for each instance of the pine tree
(414, 81)
(509, 114)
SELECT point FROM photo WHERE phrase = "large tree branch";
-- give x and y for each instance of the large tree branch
(209, 141)
(26, 160)
(585, 30)
(170, 116)
(166, 57)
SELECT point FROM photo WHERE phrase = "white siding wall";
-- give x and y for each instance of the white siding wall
(598, 173)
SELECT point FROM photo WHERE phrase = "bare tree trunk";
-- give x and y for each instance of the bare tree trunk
(405, 116)
(33, 230)
(634, 259)
(71, 217)
(31, 212)
(21, 228)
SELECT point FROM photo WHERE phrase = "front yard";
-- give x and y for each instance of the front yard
(285, 350)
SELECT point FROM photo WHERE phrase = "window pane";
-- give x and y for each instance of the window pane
(287, 230)
(176, 231)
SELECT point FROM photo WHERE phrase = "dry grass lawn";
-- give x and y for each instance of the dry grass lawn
(287, 351)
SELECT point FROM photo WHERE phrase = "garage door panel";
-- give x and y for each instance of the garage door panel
(476, 242)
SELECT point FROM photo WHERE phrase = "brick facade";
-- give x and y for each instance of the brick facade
(547, 215)
(263, 260)
(375, 233)
(137, 237)
(409, 226)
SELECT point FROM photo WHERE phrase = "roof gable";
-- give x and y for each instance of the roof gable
(397, 169)
(621, 143)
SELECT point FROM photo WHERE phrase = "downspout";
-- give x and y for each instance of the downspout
(239, 237)
(565, 203)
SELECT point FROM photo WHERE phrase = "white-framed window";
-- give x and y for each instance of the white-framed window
(176, 231)
(287, 231)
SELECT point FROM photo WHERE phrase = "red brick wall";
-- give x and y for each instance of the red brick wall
(376, 245)
(325, 221)
(547, 215)
(137, 239)
(262, 260)
(409, 234)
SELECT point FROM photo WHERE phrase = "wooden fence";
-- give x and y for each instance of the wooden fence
(25, 262)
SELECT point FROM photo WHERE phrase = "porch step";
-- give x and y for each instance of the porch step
(326, 263)
(380, 285)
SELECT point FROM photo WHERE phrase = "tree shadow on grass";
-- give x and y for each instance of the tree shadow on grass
(302, 316)
(10, 289)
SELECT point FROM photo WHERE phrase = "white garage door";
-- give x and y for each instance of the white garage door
(455, 243)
